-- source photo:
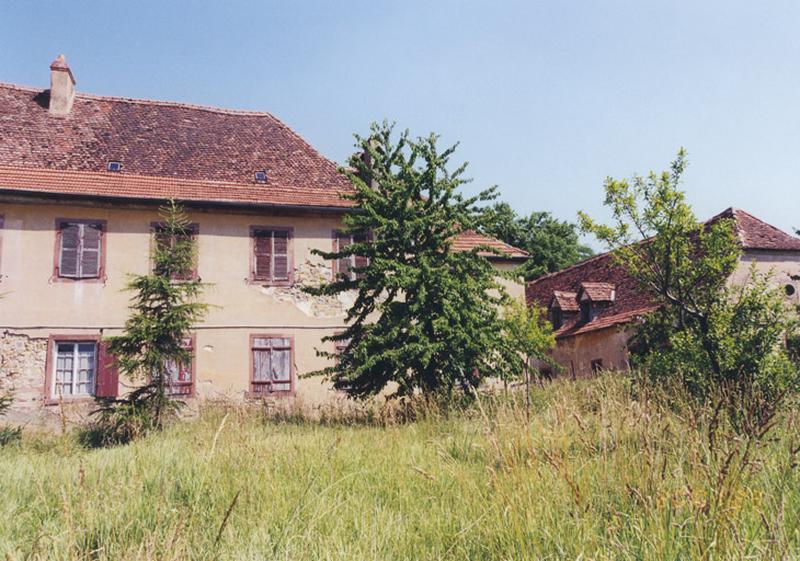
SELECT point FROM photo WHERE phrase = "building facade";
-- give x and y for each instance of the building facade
(593, 304)
(81, 181)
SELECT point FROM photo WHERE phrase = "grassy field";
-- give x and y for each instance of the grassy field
(595, 474)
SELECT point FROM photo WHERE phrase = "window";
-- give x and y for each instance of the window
(180, 376)
(75, 368)
(271, 260)
(345, 265)
(586, 311)
(597, 365)
(271, 365)
(261, 176)
(164, 240)
(80, 252)
(114, 166)
(789, 289)
(556, 317)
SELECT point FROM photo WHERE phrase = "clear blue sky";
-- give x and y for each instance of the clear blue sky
(547, 98)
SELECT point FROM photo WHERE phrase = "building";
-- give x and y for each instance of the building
(593, 303)
(81, 180)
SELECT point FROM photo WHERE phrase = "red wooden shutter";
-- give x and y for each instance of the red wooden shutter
(90, 251)
(343, 263)
(359, 260)
(262, 258)
(107, 372)
(68, 254)
(280, 250)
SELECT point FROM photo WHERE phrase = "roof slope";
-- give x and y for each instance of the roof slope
(754, 233)
(211, 152)
(630, 300)
(470, 239)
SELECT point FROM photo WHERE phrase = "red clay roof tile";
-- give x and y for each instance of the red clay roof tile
(470, 239)
(602, 274)
(197, 152)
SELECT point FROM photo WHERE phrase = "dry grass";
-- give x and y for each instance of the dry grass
(596, 474)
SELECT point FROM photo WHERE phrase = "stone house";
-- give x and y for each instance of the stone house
(81, 180)
(593, 303)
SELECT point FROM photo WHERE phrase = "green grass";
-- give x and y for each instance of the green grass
(596, 474)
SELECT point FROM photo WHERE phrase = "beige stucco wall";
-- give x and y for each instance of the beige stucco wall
(36, 306)
(575, 354)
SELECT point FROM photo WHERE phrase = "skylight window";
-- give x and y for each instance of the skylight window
(114, 166)
(261, 177)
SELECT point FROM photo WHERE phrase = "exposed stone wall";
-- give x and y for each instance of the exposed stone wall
(306, 274)
(22, 365)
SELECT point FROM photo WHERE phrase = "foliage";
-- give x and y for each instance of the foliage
(530, 336)
(425, 317)
(726, 345)
(8, 434)
(164, 307)
(529, 333)
(552, 244)
(598, 473)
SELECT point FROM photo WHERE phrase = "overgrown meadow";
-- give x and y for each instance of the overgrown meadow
(603, 470)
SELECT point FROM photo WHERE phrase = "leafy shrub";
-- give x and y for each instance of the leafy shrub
(8, 434)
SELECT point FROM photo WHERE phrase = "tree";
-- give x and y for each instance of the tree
(721, 342)
(165, 306)
(552, 244)
(425, 317)
(530, 335)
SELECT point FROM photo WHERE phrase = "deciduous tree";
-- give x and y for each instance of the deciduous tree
(425, 317)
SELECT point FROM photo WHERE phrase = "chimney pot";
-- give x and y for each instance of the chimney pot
(62, 87)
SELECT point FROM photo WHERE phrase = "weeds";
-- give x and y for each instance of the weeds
(606, 469)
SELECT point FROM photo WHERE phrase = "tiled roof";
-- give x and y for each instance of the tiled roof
(166, 150)
(601, 273)
(142, 187)
(598, 291)
(566, 301)
(754, 233)
(629, 299)
(470, 239)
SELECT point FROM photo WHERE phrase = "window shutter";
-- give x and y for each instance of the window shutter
(70, 243)
(107, 373)
(90, 251)
(343, 263)
(262, 258)
(281, 255)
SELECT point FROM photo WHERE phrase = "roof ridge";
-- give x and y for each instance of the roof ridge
(182, 105)
(148, 101)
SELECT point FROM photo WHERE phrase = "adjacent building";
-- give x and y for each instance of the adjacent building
(81, 180)
(592, 304)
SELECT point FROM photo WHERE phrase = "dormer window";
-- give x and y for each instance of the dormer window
(563, 308)
(114, 166)
(594, 297)
(261, 176)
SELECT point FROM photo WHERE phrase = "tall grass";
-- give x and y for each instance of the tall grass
(602, 471)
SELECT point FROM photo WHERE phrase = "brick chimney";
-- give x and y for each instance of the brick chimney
(62, 87)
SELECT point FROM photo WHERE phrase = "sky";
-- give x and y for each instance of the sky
(547, 99)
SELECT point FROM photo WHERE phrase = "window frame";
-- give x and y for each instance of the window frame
(336, 234)
(251, 393)
(192, 346)
(252, 278)
(194, 228)
(50, 398)
(101, 267)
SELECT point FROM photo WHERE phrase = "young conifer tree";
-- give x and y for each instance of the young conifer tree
(165, 305)
(424, 317)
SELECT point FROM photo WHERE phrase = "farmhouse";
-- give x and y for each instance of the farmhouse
(592, 304)
(81, 180)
